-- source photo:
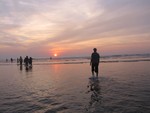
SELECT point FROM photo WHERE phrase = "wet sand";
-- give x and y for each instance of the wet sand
(122, 87)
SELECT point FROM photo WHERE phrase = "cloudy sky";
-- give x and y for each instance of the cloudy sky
(41, 28)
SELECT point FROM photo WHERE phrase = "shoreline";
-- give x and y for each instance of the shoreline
(75, 62)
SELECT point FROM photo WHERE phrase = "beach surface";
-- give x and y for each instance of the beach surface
(122, 87)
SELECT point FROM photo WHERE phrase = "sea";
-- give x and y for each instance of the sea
(66, 85)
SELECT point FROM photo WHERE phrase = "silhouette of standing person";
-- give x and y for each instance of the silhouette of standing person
(20, 60)
(30, 61)
(26, 61)
(11, 60)
(95, 57)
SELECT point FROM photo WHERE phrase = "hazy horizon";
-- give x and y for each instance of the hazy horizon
(144, 55)
(43, 28)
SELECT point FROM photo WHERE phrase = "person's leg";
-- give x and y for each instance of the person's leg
(96, 70)
(92, 69)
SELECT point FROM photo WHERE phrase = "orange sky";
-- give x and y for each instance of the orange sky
(73, 27)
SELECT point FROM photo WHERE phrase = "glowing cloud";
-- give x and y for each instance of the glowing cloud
(73, 27)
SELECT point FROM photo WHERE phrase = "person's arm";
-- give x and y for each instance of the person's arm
(99, 58)
(91, 60)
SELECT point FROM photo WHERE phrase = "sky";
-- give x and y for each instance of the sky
(42, 28)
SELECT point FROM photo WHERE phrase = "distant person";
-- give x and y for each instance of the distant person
(26, 61)
(11, 60)
(20, 60)
(6, 60)
(95, 57)
(30, 61)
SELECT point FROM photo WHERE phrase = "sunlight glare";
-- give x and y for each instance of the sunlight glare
(55, 54)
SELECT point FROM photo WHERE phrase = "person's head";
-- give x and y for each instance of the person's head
(94, 49)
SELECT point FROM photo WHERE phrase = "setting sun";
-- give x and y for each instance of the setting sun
(55, 54)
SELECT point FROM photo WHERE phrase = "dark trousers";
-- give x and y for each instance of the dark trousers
(95, 67)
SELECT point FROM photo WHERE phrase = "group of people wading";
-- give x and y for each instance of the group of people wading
(27, 61)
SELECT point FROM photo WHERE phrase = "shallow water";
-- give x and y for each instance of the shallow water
(122, 87)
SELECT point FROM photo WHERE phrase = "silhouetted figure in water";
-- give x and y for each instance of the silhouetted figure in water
(30, 61)
(95, 57)
(21, 60)
(11, 60)
(26, 61)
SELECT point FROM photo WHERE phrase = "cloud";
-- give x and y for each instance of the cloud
(124, 21)
(73, 24)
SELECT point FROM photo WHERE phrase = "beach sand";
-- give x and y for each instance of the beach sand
(122, 87)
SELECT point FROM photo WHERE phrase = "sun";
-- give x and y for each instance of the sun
(55, 55)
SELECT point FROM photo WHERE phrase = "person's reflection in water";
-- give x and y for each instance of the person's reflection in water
(95, 90)
(20, 67)
(29, 68)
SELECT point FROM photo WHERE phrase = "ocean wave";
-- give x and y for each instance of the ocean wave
(80, 60)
